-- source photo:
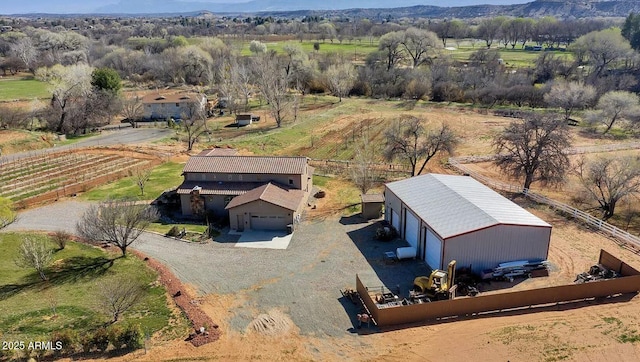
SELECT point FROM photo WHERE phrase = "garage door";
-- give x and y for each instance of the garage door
(395, 220)
(411, 229)
(434, 250)
(268, 222)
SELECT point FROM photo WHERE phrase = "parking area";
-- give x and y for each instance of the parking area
(303, 280)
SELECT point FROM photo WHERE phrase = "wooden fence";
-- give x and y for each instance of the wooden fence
(628, 239)
(629, 282)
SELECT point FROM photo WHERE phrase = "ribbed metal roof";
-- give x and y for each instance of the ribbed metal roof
(247, 164)
(453, 205)
(271, 193)
(218, 187)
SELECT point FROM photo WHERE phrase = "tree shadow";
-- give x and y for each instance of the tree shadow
(73, 269)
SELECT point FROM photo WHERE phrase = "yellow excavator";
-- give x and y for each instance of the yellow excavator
(436, 286)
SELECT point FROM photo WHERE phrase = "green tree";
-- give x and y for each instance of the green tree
(631, 30)
(7, 215)
(106, 79)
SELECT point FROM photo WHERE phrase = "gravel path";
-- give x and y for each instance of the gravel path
(303, 281)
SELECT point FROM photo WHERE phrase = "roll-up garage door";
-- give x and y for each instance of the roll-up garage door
(268, 222)
(434, 250)
(395, 220)
(411, 229)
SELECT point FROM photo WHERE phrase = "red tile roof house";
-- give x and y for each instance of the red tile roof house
(177, 106)
(255, 192)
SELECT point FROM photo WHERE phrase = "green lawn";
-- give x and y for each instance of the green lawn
(27, 303)
(357, 49)
(22, 88)
(512, 57)
(163, 177)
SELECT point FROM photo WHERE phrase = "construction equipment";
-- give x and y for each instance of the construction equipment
(596, 272)
(437, 284)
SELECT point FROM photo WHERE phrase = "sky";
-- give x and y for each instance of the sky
(87, 6)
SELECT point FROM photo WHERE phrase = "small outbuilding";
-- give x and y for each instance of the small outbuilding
(244, 119)
(372, 205)
(448, 217)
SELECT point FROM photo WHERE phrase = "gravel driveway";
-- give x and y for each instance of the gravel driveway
(303, 281)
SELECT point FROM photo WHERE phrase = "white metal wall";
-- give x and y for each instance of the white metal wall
(486, 248)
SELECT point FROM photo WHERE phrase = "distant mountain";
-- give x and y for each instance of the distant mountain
(230, 6)
(373, 9)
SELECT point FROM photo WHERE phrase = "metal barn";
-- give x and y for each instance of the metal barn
(447, 217)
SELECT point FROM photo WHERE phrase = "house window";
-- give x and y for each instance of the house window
(290, 181)
(177, 104)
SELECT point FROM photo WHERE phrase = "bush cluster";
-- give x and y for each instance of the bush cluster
(117, 337)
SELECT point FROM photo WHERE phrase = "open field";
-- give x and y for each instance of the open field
(20, 88)
(31, 309)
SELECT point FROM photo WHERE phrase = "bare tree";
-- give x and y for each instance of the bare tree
(408, 140)
(273, 82)
(533, 148)
(35, 254)
(363, 172)
(60, 238)
(610, 180)
(116, 222)
(389, 44)
(570, 96)
(141, 176)
(340, 79)
(614, 106)
(117, 295)
(132, 109)
(417, 43)
(194, 123)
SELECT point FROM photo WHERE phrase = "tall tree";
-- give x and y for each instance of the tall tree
(106, 79)
(194, 121)
(601, 49)
(610, 180)
(615, 106)
(489, 29)
(408, 140)
(533, 148)
(389, 45)
(363, 172)
(116, 222)
(340, 78)
(272, 80)
(631, 30)
(570, 96)
(69, 86)
(417, 43)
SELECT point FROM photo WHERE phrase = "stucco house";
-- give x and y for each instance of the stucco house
(448, 217)
(176, 106)
(255, 192)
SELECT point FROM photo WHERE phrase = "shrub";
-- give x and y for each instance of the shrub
(386, 233)
(100, 339)
(86, 342)
(173, 232)
(133, 336)
(68, 338)
(60, 238)
(115, 336)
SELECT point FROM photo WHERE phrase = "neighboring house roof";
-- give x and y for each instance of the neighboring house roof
(218, 187)
(454, 205)
(219, 152)
(247, 165)
(172, 98)
(271, 193)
